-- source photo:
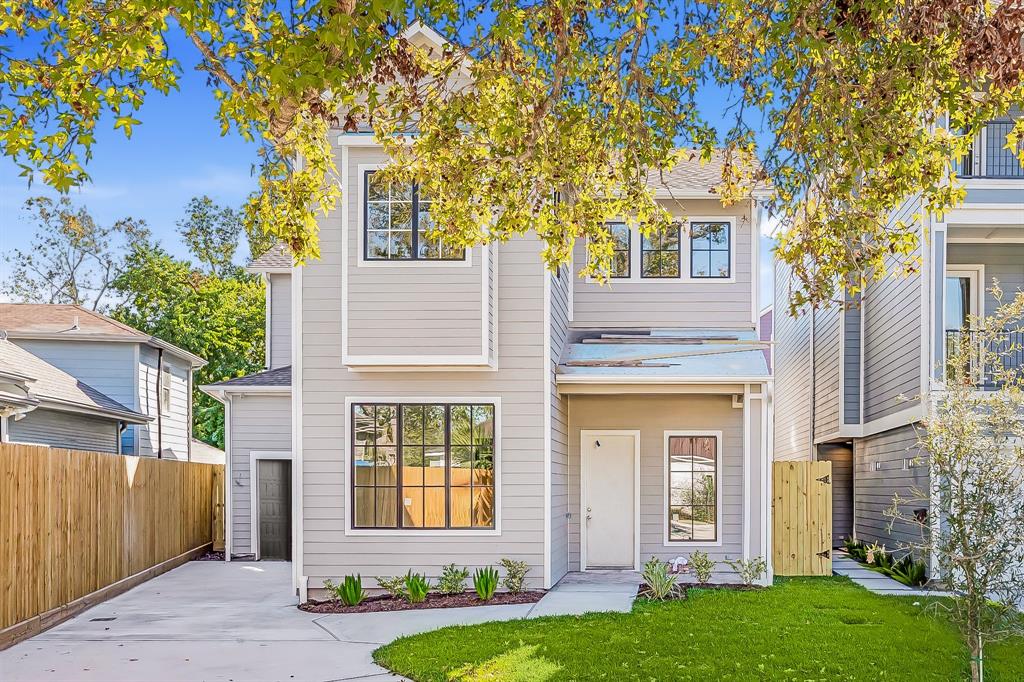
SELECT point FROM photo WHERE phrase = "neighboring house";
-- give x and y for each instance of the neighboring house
(461, 406)
(204, 453)
(258, 416)
(142, 372)
(43, 405)
(840, 373)
(767, 332)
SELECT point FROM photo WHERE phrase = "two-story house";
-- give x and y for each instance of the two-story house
(258, 437)
(145, 374)
(852, 382)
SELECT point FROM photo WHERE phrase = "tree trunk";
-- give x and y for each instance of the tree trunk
(977, 660)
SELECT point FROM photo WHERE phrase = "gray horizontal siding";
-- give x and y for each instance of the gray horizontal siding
(559, 429)
(172, 429)
(65, 430)
(108, 367)
(892, 336)
(257, 423)
(875, 488)
(665, 303)
(851, 365)
(827, 347)
(792, 367)
(280, 341)
(1003, 262)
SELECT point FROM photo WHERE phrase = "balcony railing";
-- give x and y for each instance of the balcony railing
(988, 157)
(989, 358)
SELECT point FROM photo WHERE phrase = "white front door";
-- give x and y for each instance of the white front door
(608, 496)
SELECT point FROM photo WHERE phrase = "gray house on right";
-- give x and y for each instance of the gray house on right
(852, 381)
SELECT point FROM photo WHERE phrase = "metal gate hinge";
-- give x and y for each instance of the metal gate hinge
(827, 554)
(826, 479)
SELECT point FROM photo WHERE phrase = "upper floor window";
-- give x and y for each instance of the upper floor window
(709, 250)
(397, 223)
(659, 255)
(621, 250)
(423, 466)
(165, 390)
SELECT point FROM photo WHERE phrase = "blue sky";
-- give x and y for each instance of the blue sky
(177, 153)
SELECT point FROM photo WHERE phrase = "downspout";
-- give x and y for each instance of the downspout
(121, 425)
(159, 407)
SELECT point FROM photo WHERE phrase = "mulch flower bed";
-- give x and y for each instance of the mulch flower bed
(682, 589)
(386, 602)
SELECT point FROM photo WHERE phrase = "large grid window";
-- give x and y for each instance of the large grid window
(709, 250)
(619, 267)
(693, 488)
(446, 476)
(396, 224)
(659, 254)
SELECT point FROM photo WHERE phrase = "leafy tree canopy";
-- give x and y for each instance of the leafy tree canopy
(865, 101)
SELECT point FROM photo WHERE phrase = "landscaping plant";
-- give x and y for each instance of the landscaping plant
(702, 566)
(515, 574)
(660, 583)
(909, 572)
(350, 592)
(485, 582)
(393, 586)
(974, 444)
(416, 587)
(749, 570)
(452, 580)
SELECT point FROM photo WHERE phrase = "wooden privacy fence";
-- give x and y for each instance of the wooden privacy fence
(802, 518)
(74, 524)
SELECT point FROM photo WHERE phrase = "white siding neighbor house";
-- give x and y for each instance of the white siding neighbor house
(137, 370)
(852, 381)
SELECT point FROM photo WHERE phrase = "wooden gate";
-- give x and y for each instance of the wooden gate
(219, 525)
(802, 518)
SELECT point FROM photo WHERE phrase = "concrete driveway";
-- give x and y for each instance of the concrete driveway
(212, 620)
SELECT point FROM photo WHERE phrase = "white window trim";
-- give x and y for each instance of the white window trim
(255, 457)
(719, 475)
(976, 275)
(586, 434)
(362, 262)
(437, 532)
(636, 257)
(166, 384)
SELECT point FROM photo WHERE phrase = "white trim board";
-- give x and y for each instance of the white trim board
(255, 456)
(592, 433)
(666, 492)
(439, 532)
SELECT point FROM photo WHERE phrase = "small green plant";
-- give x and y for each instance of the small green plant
(910, 572)
(350, 592)
(515, 574)
(660, 583)
(749, 570)
(877, 556)
(393, 586)
(416, 587)
(452, 580)
(702, 566)
(485, 582)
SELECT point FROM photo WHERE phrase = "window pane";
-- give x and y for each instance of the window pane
(461, 433)
(461, 502)
(412, 507)
(364, 507)
(718, 235)
(387, 466)
(377, 244)
(433, 507)
(483, 424)
(434, 462)
(364, 466)
(719, 264)
(699, 236)
(400, 245)
(434, 423)
(401, 192)
(701, 264)
(386, 420)
(412, 425)
(376, 189)
(620, 264)
(461, 461)
(363, 424)
(387, 513)
(412, 465)
(377, 216)
(620, 234)
(483, 507)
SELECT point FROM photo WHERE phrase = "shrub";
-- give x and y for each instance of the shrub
(702, 566)
(878, 557)
(515, 574)
(416, 587)
(485, 582)
(910, 572)
(749, 570)
(393, 586)
(350, 592)
(660, 583)
(452, 580)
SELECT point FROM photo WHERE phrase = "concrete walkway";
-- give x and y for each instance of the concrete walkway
(874, 581)
(237, 621)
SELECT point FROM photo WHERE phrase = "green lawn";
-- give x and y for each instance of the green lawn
(801, 629)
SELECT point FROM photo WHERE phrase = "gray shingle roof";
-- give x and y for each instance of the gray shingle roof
(55, 387)
(280, 376)
(277, 256)
(690, 175)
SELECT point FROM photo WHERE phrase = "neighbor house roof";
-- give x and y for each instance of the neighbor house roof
(29, 380)
(59, 321)
(681, 355)
(278, 258)
(270, 379)
(692, 176)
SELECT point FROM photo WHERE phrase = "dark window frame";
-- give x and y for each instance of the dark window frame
(710, 250)
(399, 460)
(714, 507)
(415, 248)
(678, 251)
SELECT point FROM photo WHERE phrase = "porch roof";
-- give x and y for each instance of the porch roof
(692, 355)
